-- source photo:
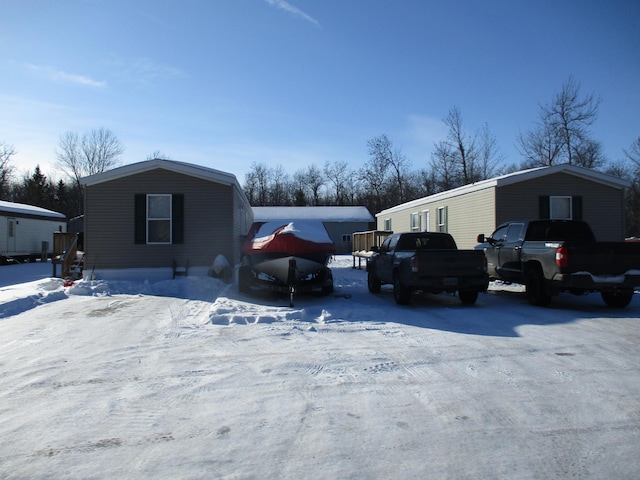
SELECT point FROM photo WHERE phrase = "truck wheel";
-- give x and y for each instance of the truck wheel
(618, 298)
(401, 294)
(373, 283)
(468, 297)
(537, 294)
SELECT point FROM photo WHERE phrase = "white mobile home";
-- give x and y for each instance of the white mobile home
(24, 230)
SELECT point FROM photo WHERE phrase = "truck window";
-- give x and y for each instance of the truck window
(385, 245)
(500, 234)
(516, 232)
(560, 231)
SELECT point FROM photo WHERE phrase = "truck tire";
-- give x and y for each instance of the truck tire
(536, 290)
(401, 294)
(618, 298)
(468, 297)
(373, 282)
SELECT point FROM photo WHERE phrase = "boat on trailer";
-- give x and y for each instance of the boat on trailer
(288, 257)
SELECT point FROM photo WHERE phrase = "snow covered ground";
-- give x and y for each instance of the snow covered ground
(187, 378)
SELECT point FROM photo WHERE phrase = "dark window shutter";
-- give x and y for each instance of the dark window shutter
(140, 220)
(177, 217)
(544, 208)
(576, 207)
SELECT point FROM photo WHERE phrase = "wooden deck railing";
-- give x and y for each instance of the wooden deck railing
(65, 251)
(363, 241)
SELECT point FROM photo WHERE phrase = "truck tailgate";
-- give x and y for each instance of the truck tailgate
(450, 263)
(604, 258)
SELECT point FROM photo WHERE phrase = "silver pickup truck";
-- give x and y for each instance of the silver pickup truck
(552, 256)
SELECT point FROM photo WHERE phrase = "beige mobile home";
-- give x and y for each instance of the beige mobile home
(559, 191)
(162, 213)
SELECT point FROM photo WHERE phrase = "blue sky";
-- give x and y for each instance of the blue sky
(225, 83)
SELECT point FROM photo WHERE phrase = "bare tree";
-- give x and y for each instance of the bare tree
(444, 175)
(570, 115)
(463, 147)
(489, 157)
(539, 147)
(562, 131)
(6, 169)
(633, 154)
(385, 158)
(96, 152)
(279, 191)
(158, 155)
(375, 177)
(256, 184)
(310, 180)
(337, 173)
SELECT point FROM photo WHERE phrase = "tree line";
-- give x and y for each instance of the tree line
(95, 151)
(560, 134)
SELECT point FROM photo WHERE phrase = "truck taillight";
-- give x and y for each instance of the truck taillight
(485, 264)
(562, 257)
(414, 264)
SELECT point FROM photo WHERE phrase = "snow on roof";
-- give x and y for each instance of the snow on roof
(29, 210)
(323, 214)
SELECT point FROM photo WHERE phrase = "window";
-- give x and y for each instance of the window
(442, 219)
(159, 219)
(560, 207)
(515, 233)
(346, 238)
(425, 222)
(11, 227)
(415, 222)
(500, 234)
(387, 224)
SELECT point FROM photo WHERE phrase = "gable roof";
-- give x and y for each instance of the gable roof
(190, 169)
(517, 177)
(325, 214)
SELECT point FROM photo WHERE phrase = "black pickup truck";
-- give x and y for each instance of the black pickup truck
(552, 256)
(429, 262)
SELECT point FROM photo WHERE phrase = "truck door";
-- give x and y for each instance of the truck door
(384, 263)
(510, 252)
(492, 252)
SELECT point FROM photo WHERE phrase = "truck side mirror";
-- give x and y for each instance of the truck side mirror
(481, 238)
(375, 249)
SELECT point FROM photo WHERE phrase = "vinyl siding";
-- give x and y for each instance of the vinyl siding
(468, 215)
(602, 206)
(337, 229)
(109, 222)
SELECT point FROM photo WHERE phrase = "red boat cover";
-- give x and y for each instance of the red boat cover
(291, 238)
